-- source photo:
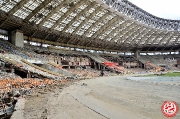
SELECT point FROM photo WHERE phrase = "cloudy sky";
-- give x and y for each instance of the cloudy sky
(169, 9)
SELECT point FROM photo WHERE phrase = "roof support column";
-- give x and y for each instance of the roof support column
(137, 53)
(17, 38)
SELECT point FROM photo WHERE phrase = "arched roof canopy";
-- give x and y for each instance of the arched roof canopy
(105, 24)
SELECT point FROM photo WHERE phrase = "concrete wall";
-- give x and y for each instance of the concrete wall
(137, 53)
(17, 38)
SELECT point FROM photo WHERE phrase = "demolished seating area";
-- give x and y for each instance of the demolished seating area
(168, 61)
(73, 58)
(18, 59)
(77, 64)
(13, 86)
(24, 58)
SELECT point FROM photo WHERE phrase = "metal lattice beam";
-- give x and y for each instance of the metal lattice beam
(37, 9)
(90, 41)
(88, 18)
(82, 41)
(138, 34)
(77, 40)
(149, 38)
(34, 33)
(177, 38)
(162, 38)
(78, 16)
(94, 24)
(137, 14)
(153, 35)
(4, 22)
(174, 44)
(132, 33)
(52, 13)
(114, 30)
(158, 35)
(72, 39)
(109, 27)
(126, 29)
(129, 31)
(105, 26)
(167, 43)
(165, 38)
(18, 6)
(124, 26)
(67, 13)
(105, 30)
(143, 36)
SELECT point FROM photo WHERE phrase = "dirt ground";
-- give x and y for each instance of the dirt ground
(102, 98)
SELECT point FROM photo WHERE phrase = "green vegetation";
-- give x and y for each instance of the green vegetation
(172, 74)
(169, 74)
(148, 75)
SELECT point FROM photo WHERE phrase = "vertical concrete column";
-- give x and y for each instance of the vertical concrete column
(17, 38)
(95, 65)
(11, 69)
(28, 74)
(9, 36)
(137, 53)
(99, 66)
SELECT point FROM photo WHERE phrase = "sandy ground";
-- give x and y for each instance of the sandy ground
(158, 79)
(102, 98)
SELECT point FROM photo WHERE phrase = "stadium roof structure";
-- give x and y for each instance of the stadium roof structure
(104, 24)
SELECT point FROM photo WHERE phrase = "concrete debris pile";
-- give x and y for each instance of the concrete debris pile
(86, 73)
(13, 87)
(7, 104)
(89, 73)
(9, 84)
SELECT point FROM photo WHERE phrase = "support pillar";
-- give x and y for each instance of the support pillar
(137, 53)
(11, 69)
(28, 74)
(95, 67)
(17, 38)
(99, 66)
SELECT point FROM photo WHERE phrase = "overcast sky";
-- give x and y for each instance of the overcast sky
(169, 9)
